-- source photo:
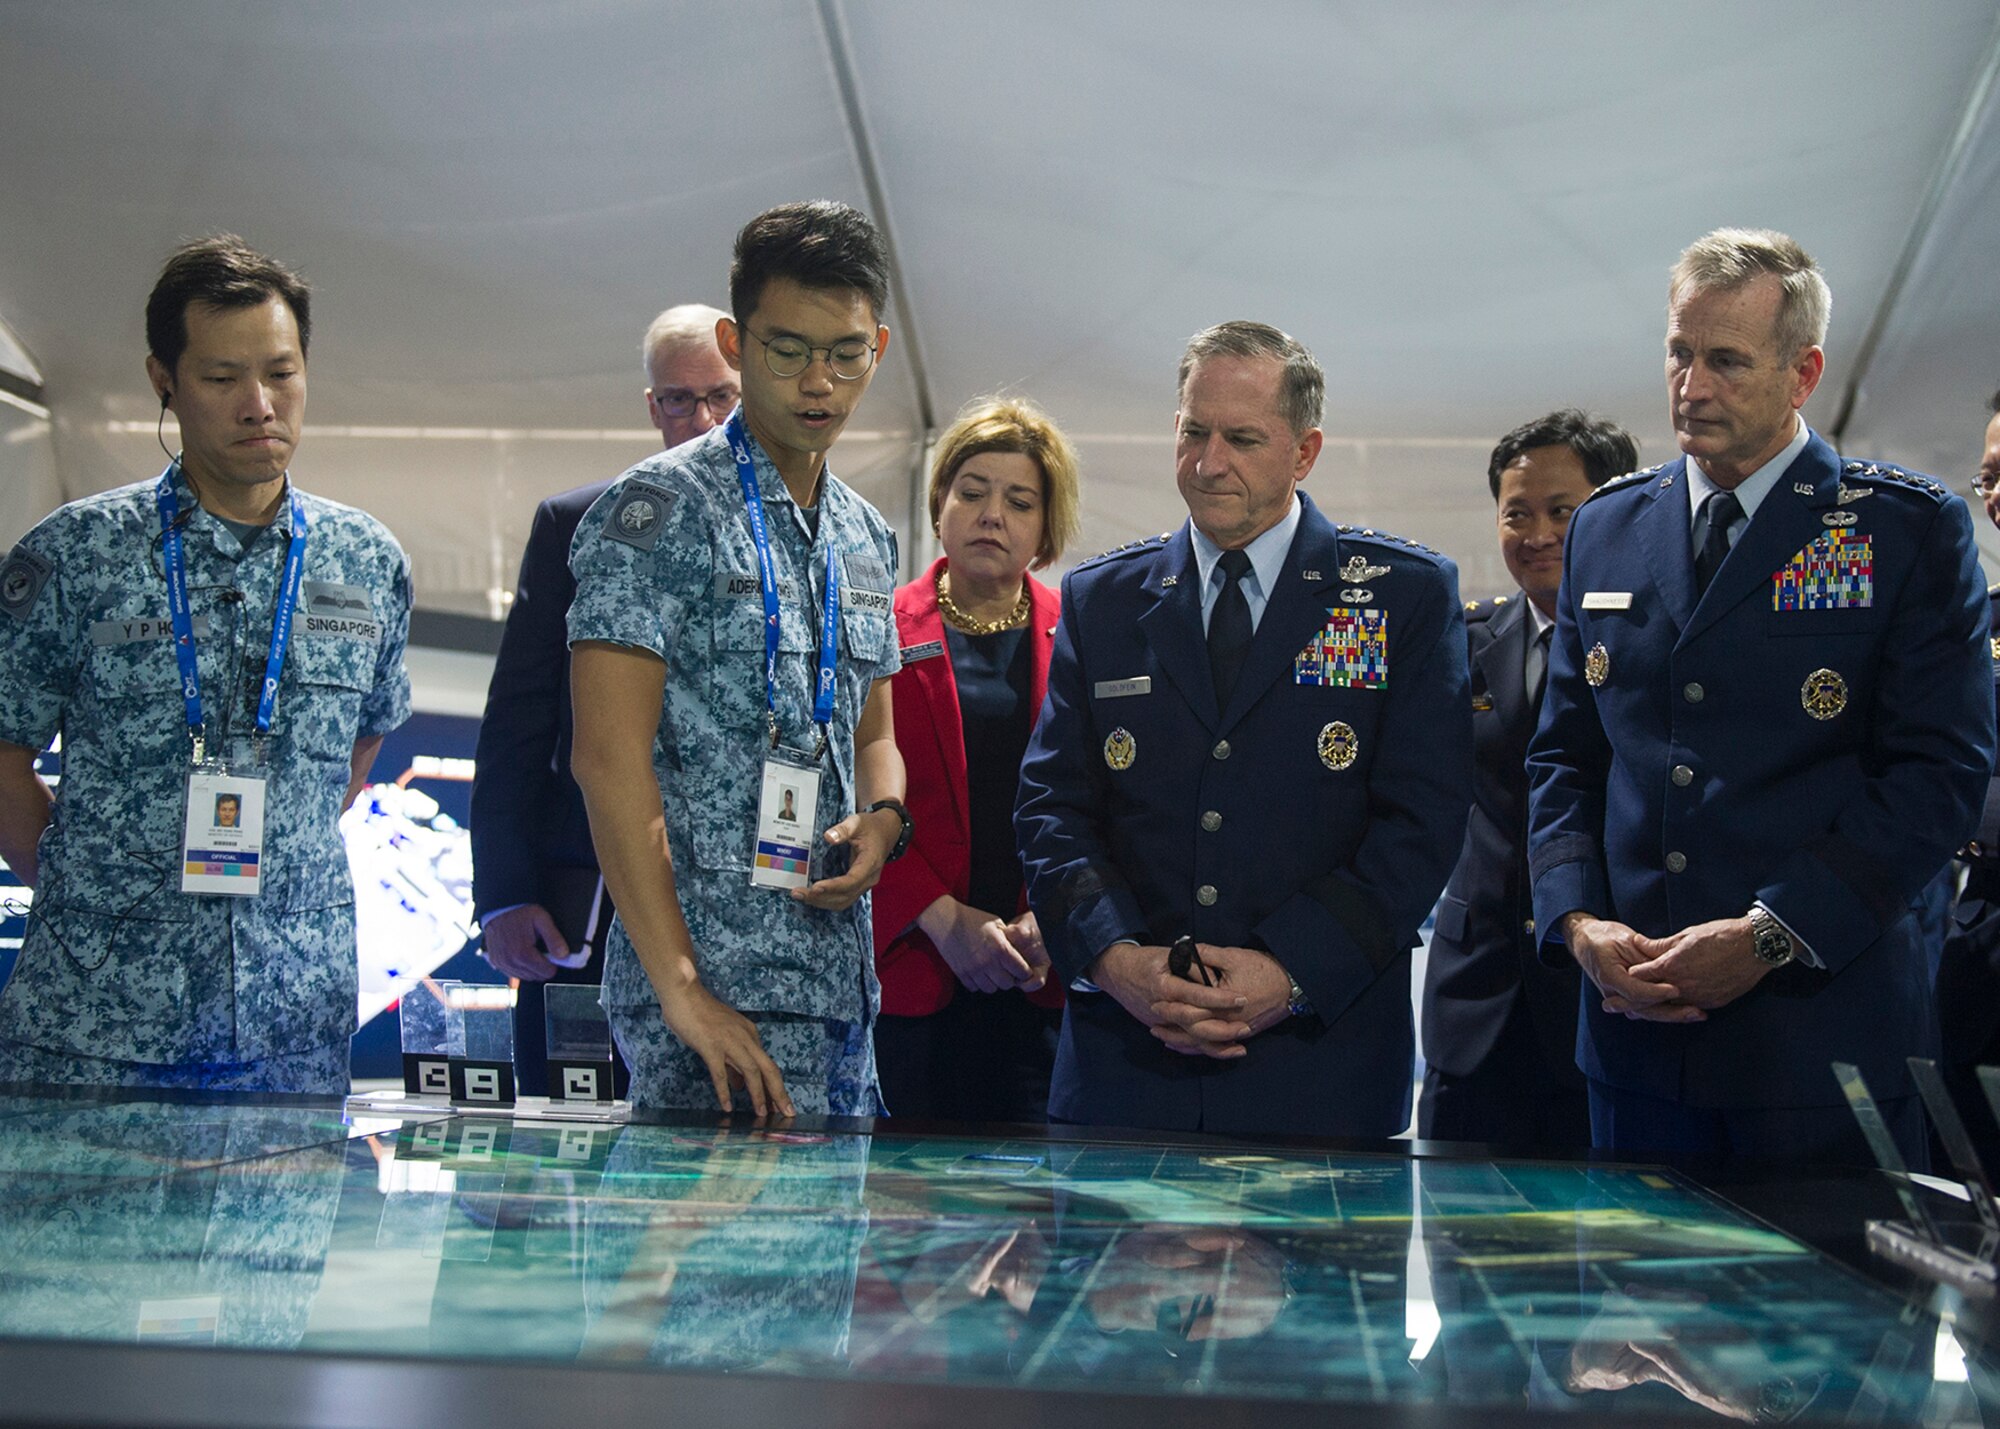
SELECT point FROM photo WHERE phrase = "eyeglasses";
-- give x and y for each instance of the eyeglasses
(789, 356)
(679, 402)
(1985, 483)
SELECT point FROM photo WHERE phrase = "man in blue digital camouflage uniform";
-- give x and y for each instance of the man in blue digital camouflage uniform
(1768, 724)
(124, 977)
(714, 985)
(1257, 736)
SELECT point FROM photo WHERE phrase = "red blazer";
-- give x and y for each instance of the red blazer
(931, 736)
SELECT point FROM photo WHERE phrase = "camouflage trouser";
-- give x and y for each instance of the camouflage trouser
(322, 1071)
(828, 1066)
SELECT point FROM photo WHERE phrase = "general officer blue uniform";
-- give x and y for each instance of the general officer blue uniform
(1814, 733)
(1315, 817)
(119, 966)
(665, 562)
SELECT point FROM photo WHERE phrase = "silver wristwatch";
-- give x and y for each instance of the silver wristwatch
(1298, 1004)
(1768, 938)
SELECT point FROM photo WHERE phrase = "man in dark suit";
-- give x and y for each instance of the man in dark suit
(1257, 735)
(536, 889)
(1968, 979)
(1499, 1024)
(1768, 724)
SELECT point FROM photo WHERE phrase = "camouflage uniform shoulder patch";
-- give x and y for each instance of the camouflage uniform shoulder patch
(23, 577)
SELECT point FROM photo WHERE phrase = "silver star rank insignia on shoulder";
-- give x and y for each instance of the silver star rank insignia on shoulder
(1357, 571)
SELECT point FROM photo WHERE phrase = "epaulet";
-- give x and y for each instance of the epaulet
(1886, 471)
(1147, 543)
(1993, 591)
(1630, 478)
(1387, 538)
(1485, 609)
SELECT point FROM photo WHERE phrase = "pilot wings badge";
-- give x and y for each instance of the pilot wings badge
(1357, 571)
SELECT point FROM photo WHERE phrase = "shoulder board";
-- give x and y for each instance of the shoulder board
(1148, 543)
(1886, 472)
(1386, 538)
(1630, 478)
(1993, 591)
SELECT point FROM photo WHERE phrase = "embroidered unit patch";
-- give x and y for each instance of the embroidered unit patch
(1353, 650)
(1835, 572)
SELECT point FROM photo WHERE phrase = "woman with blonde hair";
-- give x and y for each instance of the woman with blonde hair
(969, 1018)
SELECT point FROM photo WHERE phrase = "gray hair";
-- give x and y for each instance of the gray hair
(682, 327)
(1301, 392)
(1730, 257)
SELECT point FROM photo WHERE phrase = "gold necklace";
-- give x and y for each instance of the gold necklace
(972, 625)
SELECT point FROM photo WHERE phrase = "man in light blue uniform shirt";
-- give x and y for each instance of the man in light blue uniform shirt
(124, 978)
(715, 987)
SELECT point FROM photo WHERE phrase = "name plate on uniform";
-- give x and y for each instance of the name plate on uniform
(1607, 600)
(1118, 689)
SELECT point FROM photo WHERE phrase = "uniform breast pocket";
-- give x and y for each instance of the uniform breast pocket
(866, 632)
(325, 680)
(736, 669)
(1860, 621)
(135, 698)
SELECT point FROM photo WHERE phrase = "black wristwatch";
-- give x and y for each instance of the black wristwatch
(909, 826)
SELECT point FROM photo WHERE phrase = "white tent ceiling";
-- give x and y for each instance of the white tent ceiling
(1466, 209)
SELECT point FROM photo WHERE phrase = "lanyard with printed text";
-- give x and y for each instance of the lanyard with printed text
(767, 575)
(183, 620)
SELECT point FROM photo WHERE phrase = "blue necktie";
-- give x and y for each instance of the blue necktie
(1722, 508)
(1229, 627)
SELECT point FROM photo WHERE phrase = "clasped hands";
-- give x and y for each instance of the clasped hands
(985, 953)
(1251, 992)
(1679, 978)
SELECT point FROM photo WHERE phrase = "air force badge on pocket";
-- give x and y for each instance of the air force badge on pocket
(639, 514)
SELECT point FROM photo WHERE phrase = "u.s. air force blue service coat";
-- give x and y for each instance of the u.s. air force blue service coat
(664, 561)
(1315, 817)
(118, 963)
(1815, 733)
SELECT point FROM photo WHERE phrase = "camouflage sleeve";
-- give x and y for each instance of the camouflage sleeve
(387, 705)
(641, 555)
(40, 651)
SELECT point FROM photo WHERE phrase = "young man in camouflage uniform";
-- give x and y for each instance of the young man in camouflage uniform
(714, 984)
(124, 978)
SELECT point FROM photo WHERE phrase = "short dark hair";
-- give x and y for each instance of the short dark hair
(1995, 404)
(1603, 447)
(821, 244)
(220, 272)
(1301, 387)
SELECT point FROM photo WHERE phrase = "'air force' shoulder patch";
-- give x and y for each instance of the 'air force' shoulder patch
(23, 577)
(639, 515)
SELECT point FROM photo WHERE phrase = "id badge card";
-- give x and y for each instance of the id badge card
(222, 845)
(787, 830)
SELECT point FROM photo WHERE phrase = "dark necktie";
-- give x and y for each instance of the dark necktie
(1721, 510)
(1229, 627)
(1538, 668)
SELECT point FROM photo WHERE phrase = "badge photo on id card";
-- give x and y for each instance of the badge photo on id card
(222, 843)
(787, 828)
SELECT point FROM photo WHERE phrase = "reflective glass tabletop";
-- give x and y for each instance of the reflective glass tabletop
(830, 1257)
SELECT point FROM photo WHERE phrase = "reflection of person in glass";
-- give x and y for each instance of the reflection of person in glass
(1189, 1283)
(228, 809)
(789, 813)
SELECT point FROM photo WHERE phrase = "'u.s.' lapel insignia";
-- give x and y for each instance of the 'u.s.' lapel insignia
(1597, 666)
(1120, 749)
(1804, 488)
(1338, 746)
(1310, 575)
(1357, 571)
(1824, 694)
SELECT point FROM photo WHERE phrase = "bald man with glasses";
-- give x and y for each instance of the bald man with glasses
(536, 889)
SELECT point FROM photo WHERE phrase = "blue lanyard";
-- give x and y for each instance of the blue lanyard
(767, 576)
(183, 620)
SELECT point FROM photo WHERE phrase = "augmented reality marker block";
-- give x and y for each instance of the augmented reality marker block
(482, 1074)
(433, 1033)
(580, 1066)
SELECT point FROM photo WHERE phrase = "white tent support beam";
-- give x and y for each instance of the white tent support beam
(840, 52)
(1951, 163)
